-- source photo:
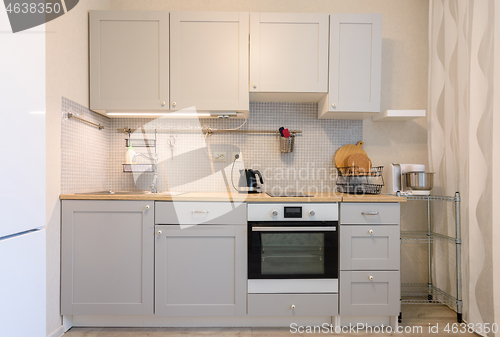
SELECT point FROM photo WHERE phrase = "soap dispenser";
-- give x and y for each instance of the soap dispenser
(129, 156)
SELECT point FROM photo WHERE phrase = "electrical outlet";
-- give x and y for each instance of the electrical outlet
(240, 156)
(219, 156)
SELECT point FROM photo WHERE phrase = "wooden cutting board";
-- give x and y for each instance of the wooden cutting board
(360, 163)
(345, 151)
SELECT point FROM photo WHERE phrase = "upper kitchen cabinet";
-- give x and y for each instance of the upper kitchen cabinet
(288, 54)
(129, 67)
(355, 67)
(209, 61)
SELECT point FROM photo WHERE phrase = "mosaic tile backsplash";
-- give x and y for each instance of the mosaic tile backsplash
(84, 150)
(92, 159)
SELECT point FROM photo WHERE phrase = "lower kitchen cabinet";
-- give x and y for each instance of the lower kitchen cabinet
(369, 259)
(369, 293)
(107, 257)
(373, 247)
(200, 270)
(292, 304)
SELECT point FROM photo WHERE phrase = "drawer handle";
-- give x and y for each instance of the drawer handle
(200, 212)
(369, 213)
(370, 278)
(292, 306)
(370, 231)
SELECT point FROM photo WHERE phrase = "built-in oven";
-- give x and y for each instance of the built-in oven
(293, 248)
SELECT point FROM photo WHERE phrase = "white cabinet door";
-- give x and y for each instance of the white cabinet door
(129, 60)
(288, 52)
(355, 66)
(201, 270)
(373, 247)
(107, 262)
(369, 293)
(23, 303)
(209, 61)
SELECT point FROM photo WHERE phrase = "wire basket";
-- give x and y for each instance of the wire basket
(286, 144)
(137, 168)
(140, 142)
(352, 180)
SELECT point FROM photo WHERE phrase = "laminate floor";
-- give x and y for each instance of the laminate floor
(414, 316)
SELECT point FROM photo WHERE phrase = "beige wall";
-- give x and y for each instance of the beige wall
(67, 75)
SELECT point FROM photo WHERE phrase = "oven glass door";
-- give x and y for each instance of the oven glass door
(292, 250)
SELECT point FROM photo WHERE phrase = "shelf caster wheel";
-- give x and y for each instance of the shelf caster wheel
(459, 318)
(429, 298)
(400, 318)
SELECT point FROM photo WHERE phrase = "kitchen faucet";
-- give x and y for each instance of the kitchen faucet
(155, 166)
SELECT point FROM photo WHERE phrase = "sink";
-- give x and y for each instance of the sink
(171, 193)
(131, 193)
(117, 192)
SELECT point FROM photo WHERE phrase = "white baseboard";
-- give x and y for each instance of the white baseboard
(57, 332)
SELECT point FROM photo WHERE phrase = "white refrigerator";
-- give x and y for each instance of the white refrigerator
(22, 181)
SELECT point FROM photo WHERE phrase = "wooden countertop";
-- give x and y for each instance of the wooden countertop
(260, 197)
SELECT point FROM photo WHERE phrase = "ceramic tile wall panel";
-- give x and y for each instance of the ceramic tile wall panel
(84, 150)
(192, 169)
(310, 165)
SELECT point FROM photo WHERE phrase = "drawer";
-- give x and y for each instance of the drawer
(369, 293)
(282, 304)
(195, 213)
(372, 247)
(369, 213)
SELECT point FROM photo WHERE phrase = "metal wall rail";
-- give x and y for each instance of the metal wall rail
(71, 115)
(208, 131)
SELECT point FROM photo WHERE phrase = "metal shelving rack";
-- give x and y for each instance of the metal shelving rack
(421, 293)
(144, 142)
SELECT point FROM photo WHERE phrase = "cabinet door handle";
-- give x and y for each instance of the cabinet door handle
(174, 104)
(370, 278)
(147, 207)
(370, 231)
(369, 213)
(334, 105)
(292, 306)
(159, 232)
(163, 103)
(200, 212)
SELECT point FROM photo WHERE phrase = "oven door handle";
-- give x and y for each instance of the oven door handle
(294, 229)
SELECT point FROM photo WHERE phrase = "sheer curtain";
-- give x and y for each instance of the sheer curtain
(463, 143)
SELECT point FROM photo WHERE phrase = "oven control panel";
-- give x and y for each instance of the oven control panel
(294, 212)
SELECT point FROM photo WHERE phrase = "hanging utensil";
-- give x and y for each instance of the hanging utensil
(171, 143)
